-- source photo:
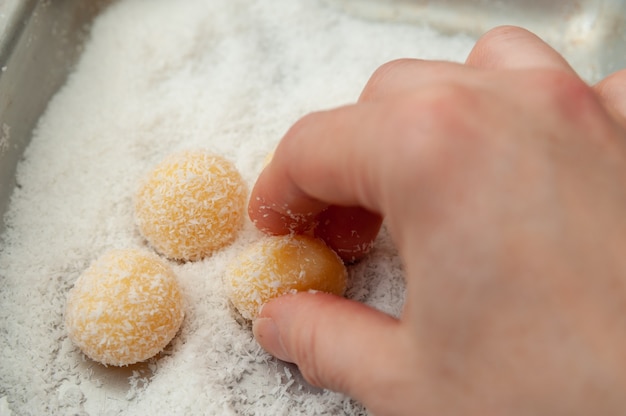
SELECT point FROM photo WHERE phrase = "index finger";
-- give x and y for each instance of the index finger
(317, 175)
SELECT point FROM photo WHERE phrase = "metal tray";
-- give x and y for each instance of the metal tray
(39, 43)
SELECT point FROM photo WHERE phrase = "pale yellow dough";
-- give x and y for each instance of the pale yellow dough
(125, 308)
(191, 204)
(275, 266)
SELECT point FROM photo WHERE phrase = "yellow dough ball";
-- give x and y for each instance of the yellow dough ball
(191, 204)
(275, 266)
(125, 308)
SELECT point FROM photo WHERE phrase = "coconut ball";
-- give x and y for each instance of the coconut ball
(191, 204)
(274, 266)
(124, 308)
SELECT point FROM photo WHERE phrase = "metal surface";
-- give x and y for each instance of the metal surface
(39, 43)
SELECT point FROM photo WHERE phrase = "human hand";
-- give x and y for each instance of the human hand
(503, 184)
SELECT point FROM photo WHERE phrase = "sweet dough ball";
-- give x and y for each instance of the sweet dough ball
(191, 204)
(125, 308)
(275, 266)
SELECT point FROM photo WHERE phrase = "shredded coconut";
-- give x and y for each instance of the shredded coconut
(157, 77)
(191, 204)
(273, 266)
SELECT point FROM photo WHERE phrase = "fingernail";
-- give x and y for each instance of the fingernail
(267, 335)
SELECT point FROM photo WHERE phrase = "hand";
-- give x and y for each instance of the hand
(503, 184)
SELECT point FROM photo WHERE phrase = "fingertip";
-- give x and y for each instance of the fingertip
(266, 333)
(276, 208)
(274, 221)
(349, 231)
(386, 75)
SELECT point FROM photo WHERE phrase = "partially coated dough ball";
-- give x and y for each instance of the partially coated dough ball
(191, 204)
(275, 266)
(124, 308)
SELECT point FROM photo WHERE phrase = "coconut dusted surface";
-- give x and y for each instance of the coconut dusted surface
(274, 266)
(125, 308)
(158, 77)
(190, 204)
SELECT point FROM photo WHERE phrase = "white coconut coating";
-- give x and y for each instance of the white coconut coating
(191, 204)
(276, 266)
(124, 308)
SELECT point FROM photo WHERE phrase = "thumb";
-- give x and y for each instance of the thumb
(338, 344)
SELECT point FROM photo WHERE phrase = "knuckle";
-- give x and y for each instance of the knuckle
(451, 102)
(295, 139)
(430, 129)
(568, 94)
(489, 47)
(304, 123)
(378, 81)
(502, 33)
(440, 112)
